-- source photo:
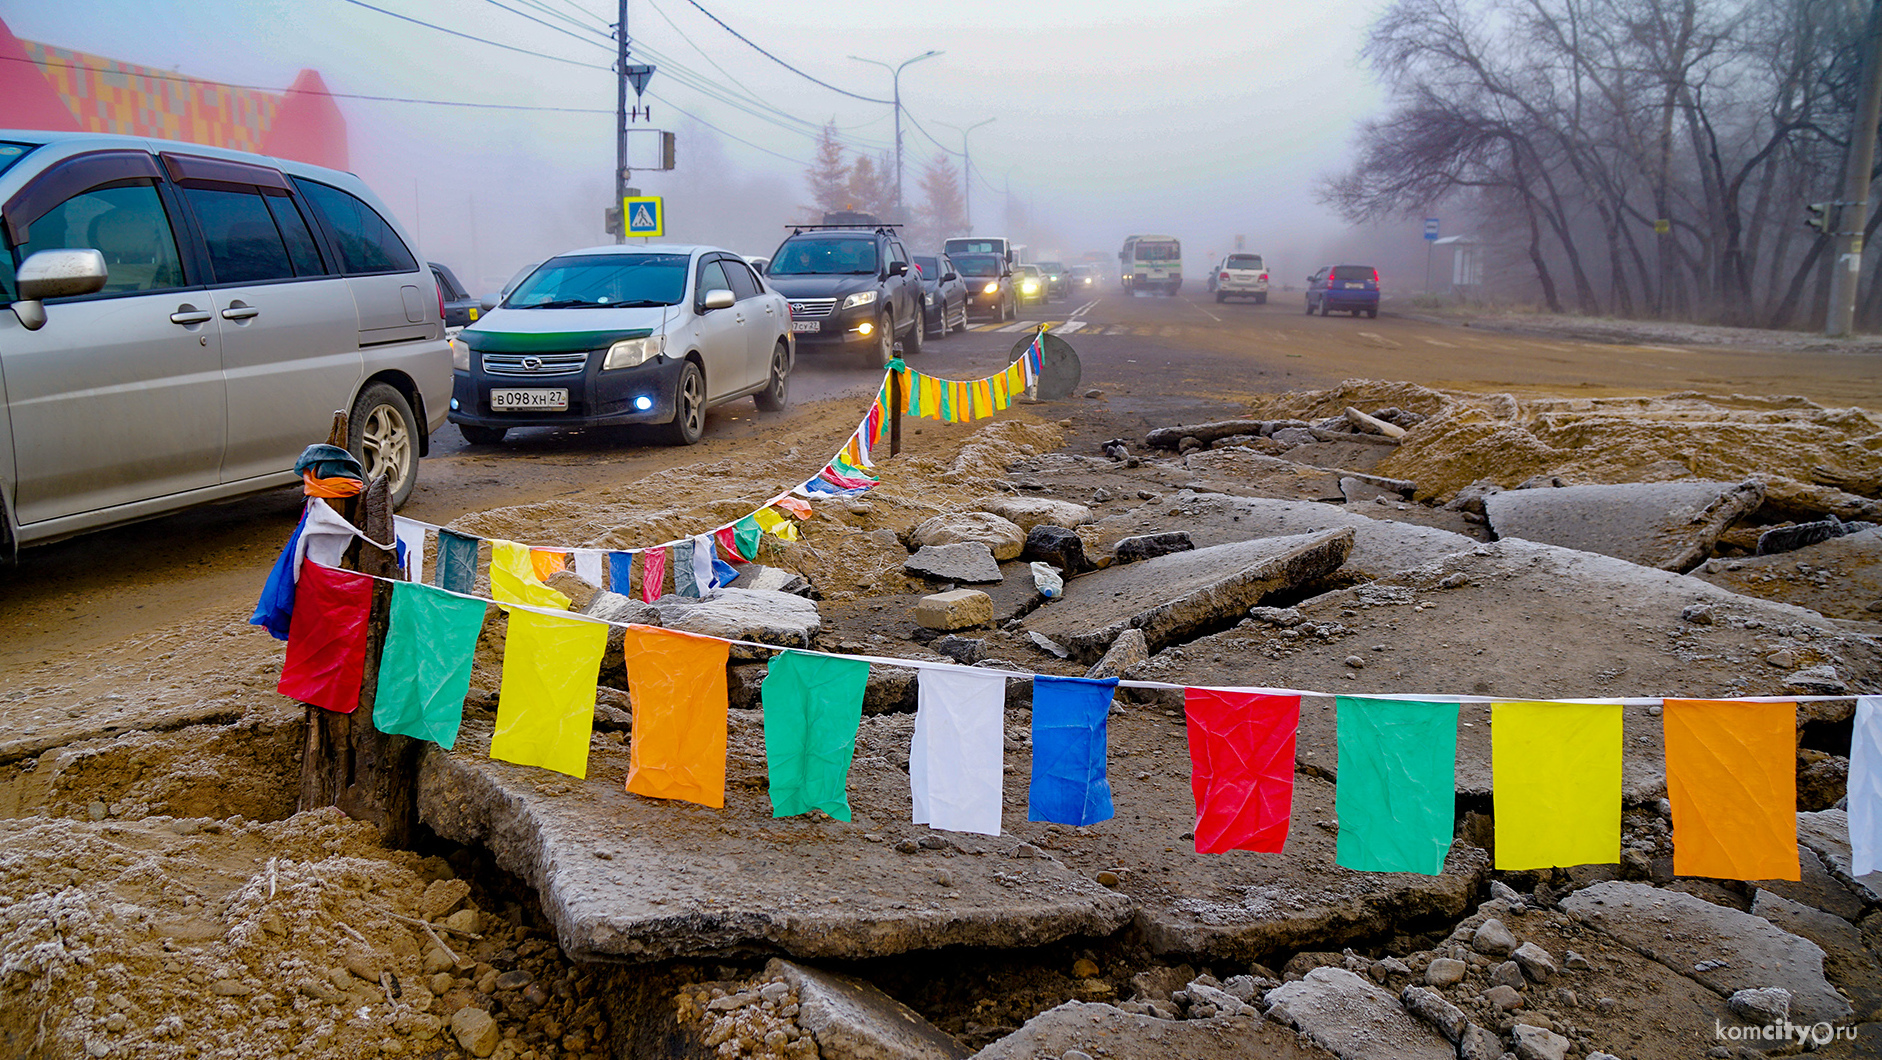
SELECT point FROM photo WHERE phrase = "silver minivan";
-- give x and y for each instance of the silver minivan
(177, 322)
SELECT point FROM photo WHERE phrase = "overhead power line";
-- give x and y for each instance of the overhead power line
(480, 40)
(564, 30)
(754, 46)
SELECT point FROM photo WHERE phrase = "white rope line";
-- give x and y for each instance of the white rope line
(930, 664)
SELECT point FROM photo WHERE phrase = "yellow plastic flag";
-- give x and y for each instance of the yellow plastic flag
(1016, 377)
(930, 397)
(546, 701)
(677, 684)
(1557, 775)
(999, 392)
(513, 579)
(774, 524)
(983, 399)
(1731, 775)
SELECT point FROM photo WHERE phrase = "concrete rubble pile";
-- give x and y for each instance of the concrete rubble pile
(1374, 537)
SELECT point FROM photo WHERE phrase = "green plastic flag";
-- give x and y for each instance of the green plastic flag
(425, 669)
(746, 533)
(1395, 799)
(813, 705)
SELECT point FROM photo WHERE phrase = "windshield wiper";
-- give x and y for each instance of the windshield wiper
(564, 303)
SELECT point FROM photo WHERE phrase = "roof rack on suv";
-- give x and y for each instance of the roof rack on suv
(882, 227)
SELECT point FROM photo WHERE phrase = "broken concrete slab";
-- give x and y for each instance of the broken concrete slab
(1354, 1019)
(1240, 470)
(762, 615)
(1669, 525)
(963, 561)
(1182, 595)
(954, 609)
(1126, 651)
(852, 1019)
(1724, 949)
(1239, 906)
(1838, 578)
(622, 877)
(1001, 535)
(1028, 512)
(1817, 888)
(1534, 622)
(1846, 962)
(1107, 1031)
(1380, 546)
(1827, 833)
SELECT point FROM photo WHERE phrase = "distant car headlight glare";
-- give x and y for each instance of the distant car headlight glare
(460, 356)
(992, 288)
(859, 298)
(629, 352)
(1030, 286)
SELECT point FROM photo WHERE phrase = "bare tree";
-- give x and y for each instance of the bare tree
(829, 175)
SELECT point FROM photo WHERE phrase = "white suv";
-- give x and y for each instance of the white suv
(1240, 276)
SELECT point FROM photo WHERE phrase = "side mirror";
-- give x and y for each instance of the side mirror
(488, 302)
(898, 268)
(719, 299)
(950, 277)
(64, 273)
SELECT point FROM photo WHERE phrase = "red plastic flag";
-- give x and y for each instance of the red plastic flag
(653, 573)
(326, 653)
(1241, 757)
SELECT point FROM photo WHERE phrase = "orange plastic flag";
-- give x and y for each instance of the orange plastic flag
(677, 684)
(1731, 775)
(797, 506)
(546, 562)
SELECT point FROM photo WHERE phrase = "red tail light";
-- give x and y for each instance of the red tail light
(1224, 276)
(1375, 277)
(440, 305)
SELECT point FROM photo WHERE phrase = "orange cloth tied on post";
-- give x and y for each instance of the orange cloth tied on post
(336, 488)
(677, 684)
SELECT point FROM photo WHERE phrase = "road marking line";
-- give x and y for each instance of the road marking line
(1203, 311)
(1083, 309)
(1068, 327)
(1024, 325)
(989, 327)
(1379, 340)
(1446, 345)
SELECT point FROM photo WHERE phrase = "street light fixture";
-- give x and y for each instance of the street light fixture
(967, 183)
(896, 77)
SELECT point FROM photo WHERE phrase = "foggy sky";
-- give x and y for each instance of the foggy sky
(1199, 118)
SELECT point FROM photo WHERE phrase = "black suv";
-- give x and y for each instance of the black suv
(850, 289)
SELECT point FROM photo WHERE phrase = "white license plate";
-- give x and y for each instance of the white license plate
(529, 400)
(1355, 286)
(806, 325)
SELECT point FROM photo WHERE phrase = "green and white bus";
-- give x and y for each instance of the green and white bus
(1151, 263)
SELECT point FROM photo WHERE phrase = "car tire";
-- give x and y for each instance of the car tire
(879, 355)
(1220, 298)
(382, 432)
(911, 343)
(777, 392)
(689, 407)
(961, 324)
(1372, 314)
(1310, 307)
(1261, 299)
(1326, 308)
(482, 435)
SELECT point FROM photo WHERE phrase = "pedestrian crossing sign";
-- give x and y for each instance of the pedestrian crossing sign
(646, 216)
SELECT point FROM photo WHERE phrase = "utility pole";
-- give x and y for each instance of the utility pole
(1853, 215)
(967, 170)
(620, 125)
(896, 78)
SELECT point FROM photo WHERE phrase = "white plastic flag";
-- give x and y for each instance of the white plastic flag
(1865, 787)
(704, 549)
(956, 758)
(411, 534)
(588, 566)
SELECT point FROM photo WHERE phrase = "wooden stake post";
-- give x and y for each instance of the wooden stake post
(895, 411)
(345, 760)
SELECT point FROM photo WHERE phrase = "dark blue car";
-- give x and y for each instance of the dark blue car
(1352, 288)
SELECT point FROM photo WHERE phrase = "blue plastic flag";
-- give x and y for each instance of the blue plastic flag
(276, 607)
(1069, 782)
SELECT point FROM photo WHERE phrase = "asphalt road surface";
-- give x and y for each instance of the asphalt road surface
(1157, 361)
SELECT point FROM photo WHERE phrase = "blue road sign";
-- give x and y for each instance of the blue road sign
(645, 215)
(1431, 228)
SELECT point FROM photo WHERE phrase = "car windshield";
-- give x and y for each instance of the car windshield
(930, 267)
(1028, 270)
(1245, 261)
(984, 265)
(588, 281)
(1167, 251)
(11, 152)
(1052, 267)
(825, 257)
(975, 246)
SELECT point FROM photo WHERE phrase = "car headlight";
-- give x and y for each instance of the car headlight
(859, 298)
(992, 288)
(1030, 286)
(629, 352)
(460, 356)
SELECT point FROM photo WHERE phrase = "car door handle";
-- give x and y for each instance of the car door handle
(188, 314)
(239, 311)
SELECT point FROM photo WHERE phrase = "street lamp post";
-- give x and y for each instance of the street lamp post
(896, 77)
(967, 170)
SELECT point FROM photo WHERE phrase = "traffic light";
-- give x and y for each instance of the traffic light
(1819, 216)
(667, 150)
(611, 220)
